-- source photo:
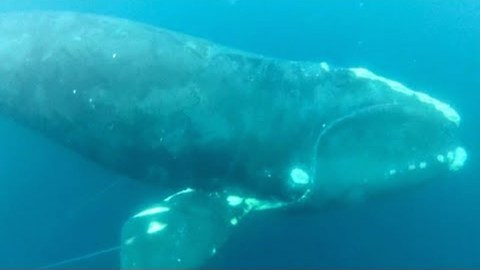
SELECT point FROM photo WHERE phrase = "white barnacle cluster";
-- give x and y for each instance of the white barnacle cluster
(325, 66)
(454, 160)
(315, 70)
(247, 204)
(299, 176)
(234, 221)
(444, 108)
(234, 200)
(300, 183)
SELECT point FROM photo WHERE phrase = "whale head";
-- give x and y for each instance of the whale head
(382, 136)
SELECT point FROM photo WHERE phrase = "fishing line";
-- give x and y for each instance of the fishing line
(81, 258)
(75, 210)
(100, 194)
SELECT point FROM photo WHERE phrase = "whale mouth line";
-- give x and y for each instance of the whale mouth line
(357, 113)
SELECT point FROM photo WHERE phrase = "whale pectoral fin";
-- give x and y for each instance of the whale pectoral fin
(185, 229)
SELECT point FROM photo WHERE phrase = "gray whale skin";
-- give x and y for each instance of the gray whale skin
(230, 132)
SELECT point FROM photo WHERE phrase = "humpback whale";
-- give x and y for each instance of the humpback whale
(230, 132)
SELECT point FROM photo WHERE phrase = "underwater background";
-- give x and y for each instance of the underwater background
(55, 205)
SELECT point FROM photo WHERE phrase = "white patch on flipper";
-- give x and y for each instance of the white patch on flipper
(155, 226)
(152, 211)
(187, 190)
(129, 241)
(444, 108)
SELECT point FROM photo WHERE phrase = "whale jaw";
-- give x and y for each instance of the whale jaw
(390, 138)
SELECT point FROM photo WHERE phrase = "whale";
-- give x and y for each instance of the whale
(231, 133)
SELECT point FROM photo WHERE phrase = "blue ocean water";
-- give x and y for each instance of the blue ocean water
(56, 205)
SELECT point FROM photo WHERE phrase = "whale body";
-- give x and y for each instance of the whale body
(232, 132)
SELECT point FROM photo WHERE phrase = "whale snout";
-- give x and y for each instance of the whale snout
(388, 137)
